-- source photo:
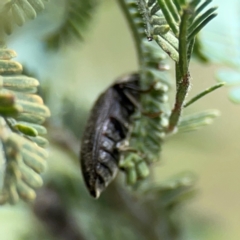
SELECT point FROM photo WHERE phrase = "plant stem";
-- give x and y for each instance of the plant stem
(182, 74)
(203, 93)
(136, 35)
(183, 59)
(180, 97)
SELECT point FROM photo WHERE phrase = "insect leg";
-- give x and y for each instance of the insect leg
(121, 125)
(114, 130)
(152, 114)
(137, 105)
(127, 149)
(138, 89)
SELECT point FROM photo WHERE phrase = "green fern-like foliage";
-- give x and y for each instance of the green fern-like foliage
(22, 153)
(173, 25)
(184, 21)
(221, 45)
(78, 14)
(153, 69)
(17, 12)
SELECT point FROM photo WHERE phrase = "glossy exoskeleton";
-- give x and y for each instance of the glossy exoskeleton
(107, 127)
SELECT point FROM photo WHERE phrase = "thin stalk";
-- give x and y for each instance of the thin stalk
(182, 74)
(203, 93)
(134, 31)
(180, 97)
(183, 59)
(177, 74)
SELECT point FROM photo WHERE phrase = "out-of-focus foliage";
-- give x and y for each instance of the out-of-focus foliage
(77, 16)
(221, 44)
(17, 12)
(232, 78)
(21, 111)
(118, 213)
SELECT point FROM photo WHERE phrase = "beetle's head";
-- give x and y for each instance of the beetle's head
(127, 80)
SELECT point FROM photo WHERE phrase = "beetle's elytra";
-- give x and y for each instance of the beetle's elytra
(107, 126)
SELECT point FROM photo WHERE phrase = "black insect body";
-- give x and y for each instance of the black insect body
(107, 126)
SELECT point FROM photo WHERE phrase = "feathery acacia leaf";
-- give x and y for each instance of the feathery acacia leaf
(197, 120)
(172, 191)
(22, 146)
(232, 78)
(173, 25)
(78, 14)
(17, 12)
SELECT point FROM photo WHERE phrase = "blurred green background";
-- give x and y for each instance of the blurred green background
(80, 71)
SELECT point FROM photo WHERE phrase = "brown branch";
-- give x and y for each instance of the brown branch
(180, 97)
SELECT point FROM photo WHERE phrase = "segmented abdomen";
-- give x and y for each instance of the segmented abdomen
(107, 155)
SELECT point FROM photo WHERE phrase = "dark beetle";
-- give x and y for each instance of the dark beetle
(107, 126)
